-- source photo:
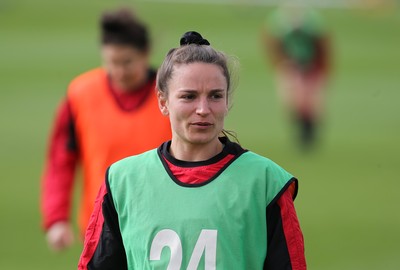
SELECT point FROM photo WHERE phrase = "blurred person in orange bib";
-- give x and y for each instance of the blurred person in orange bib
(109, 113)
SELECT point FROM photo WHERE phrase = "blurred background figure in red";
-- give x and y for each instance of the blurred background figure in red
(298, 46)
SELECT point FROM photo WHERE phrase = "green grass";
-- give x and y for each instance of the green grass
(349, 188)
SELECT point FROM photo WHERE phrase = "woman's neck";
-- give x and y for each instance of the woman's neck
(195, 152)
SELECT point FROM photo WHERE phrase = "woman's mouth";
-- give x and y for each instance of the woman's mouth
(201, 124)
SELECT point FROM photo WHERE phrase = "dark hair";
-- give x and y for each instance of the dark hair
(122, 27)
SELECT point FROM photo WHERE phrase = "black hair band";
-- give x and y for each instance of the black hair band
(193, 37)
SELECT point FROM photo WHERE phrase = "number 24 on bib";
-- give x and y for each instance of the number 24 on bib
(206, 244)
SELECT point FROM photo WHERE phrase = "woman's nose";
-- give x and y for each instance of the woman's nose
(202, 106)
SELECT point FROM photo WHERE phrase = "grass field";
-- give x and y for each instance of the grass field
(348, 199)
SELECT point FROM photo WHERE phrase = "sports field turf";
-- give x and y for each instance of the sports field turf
(348, 201)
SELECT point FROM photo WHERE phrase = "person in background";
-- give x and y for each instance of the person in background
(299, 48)
(208, 201)
(109, 113)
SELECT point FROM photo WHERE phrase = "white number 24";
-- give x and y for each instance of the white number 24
(206, 243)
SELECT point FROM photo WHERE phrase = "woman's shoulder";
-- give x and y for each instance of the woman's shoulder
(88, 82)
(254, 160)
(251, 156)
(134, 160)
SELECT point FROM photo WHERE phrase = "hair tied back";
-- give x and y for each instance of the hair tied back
(193, 37)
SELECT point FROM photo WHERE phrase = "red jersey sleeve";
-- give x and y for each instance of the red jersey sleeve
(103, 247)
(285, 238)
(58, 175)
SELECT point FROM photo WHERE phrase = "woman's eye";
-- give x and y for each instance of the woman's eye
(217, 96)
(188, 97)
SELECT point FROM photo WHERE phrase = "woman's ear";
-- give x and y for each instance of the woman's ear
(162, 103)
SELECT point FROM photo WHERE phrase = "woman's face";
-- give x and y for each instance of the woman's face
(126, 66)
(196, 103)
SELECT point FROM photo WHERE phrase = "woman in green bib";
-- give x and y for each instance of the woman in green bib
(198, 201)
